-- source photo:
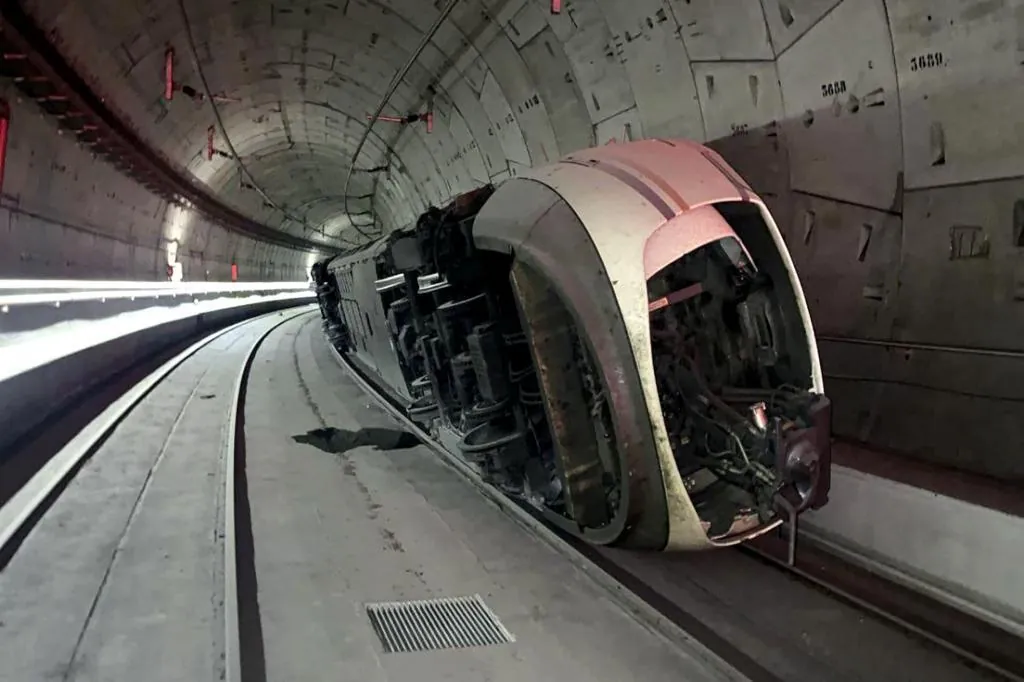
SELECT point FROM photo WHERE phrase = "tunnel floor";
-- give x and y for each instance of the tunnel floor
(121, 578)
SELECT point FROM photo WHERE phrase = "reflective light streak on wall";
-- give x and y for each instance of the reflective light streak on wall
(5, 120)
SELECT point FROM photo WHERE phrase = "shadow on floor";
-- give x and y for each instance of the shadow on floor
(339, 441)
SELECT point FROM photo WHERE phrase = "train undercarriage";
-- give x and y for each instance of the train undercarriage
(494, 365)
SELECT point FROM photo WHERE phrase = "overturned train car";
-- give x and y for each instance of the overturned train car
(619, 339)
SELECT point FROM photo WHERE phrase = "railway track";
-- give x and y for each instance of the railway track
(25, 508)
(974, 640)
(990, 652)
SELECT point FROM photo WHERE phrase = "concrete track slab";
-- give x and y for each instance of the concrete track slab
(335, 530)
(122, 577)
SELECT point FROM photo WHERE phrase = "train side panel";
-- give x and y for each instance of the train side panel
(365, 316)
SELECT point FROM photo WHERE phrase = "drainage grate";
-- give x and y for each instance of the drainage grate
(431, 624)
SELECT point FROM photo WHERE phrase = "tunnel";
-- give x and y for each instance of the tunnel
(883, 143)
(245, 140)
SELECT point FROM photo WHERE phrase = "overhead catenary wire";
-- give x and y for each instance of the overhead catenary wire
(392, 87)
(194, 52)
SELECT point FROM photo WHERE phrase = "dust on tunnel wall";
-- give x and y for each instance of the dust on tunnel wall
(882, 133)
(66, 214)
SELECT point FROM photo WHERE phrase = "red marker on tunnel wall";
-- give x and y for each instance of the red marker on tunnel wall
(5, 120)
(169, 74)
(556, 6)
(234, 272)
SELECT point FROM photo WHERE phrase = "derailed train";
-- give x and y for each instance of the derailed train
(619, 339)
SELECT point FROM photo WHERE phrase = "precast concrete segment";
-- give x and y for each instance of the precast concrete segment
(122, 577)
(348, 510)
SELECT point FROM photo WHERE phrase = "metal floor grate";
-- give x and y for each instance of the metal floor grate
(432, 624)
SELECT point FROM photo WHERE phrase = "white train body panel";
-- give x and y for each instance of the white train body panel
(642, 203)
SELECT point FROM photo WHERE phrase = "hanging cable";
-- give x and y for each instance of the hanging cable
(223, 130)
(395, 82)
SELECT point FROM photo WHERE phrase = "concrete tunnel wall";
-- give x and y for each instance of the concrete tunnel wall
(883, 134)
(66, 214)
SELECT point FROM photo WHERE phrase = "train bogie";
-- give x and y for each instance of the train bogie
(619, 339)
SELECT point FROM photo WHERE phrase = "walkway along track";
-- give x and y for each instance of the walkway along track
(26, 507)
(979, 644)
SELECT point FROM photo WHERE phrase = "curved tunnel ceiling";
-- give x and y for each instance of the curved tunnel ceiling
(846, 116)
(517, 85)
(299, 80)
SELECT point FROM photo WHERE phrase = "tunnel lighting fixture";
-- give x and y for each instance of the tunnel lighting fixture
(427, 117)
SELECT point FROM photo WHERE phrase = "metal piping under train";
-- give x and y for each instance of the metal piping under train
(619, 339)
